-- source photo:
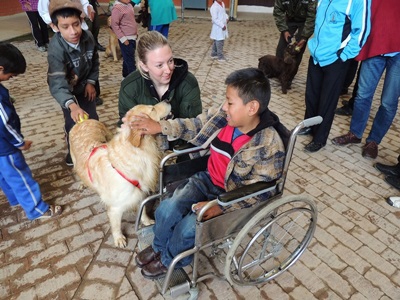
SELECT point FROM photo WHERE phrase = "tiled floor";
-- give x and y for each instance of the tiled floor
(354, 254)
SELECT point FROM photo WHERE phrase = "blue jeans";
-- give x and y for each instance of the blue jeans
(370, 74)
(175, 225)
(128, 56)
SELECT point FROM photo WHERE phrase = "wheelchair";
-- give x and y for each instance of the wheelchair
(257, 243)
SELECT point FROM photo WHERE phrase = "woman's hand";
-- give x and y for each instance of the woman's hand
(144, 124)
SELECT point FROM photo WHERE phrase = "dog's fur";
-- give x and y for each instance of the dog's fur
(112, 48)
(284, 69)
(134, 155)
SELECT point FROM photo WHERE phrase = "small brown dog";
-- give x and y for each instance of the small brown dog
(284, 69)
(113, 48)
(122, 169)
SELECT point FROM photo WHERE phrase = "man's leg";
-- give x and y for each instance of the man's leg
(332, 81)
(370, 74)
(389, 100)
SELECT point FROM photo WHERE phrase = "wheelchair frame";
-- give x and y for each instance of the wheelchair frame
(271, 220)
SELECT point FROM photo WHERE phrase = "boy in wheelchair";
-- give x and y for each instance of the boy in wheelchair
(246, 148)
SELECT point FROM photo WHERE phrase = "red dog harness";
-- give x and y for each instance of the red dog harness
(134, 182)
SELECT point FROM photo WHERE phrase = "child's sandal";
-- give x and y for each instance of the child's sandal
(53, 211)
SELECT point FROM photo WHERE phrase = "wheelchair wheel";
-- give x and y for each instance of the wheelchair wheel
(272, 240)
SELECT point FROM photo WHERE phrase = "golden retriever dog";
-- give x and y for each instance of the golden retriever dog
(112, 48)
(123, 169)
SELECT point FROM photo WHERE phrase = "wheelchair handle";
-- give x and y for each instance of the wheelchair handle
(312, 121)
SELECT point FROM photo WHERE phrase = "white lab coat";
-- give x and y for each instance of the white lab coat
(219, 19)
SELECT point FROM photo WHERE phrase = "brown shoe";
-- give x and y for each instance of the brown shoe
(154, 270)
(146, 256)
(370, 150)
(348, 138)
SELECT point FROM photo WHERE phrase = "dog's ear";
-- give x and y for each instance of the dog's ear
(135, 137)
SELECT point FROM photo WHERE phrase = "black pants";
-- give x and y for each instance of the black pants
(94, 25)
(87, 106)
(39, 28)
(282, 44)
(322, 94)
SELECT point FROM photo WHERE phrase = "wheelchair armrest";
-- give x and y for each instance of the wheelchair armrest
(184, 146)
(245, 192)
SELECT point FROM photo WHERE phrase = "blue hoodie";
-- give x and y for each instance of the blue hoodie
(341, 29)
(10, 125)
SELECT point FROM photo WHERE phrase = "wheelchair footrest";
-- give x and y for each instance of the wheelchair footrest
(179, 283)
(145, 237)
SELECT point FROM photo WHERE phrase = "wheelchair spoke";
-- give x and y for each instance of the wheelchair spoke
(272, 245)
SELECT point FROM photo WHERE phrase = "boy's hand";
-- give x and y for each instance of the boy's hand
(126, 43)
(144, 124)
(210, 213)
(77, 112)
(90, 92)
(26, 146)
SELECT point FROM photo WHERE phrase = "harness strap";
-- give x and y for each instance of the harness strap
(134, 182)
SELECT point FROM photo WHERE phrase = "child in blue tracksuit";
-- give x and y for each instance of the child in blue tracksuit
(16, 179)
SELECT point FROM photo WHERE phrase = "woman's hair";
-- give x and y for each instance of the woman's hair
(149, 41)
(251, 84)
(11, 59)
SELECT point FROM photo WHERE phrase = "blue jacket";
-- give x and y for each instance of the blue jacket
(341, 29)
(10, 125)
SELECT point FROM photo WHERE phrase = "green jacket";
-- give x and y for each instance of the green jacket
(183, 93)
(295, 11)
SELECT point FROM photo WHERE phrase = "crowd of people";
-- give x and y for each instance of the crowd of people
(337, 35)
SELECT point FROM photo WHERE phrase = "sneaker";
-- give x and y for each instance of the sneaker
(68, 160)
(314, 147)
(213, 56)
(370, 150)
(305, 131)
(345, 110)
(53, 212)
(223, 59)
(388, 169)
(393, 201)
(348, 138)
(42, 48)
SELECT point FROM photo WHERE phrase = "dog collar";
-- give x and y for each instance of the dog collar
(134, 182)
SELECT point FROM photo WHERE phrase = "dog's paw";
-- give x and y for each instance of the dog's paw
(120, 241)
